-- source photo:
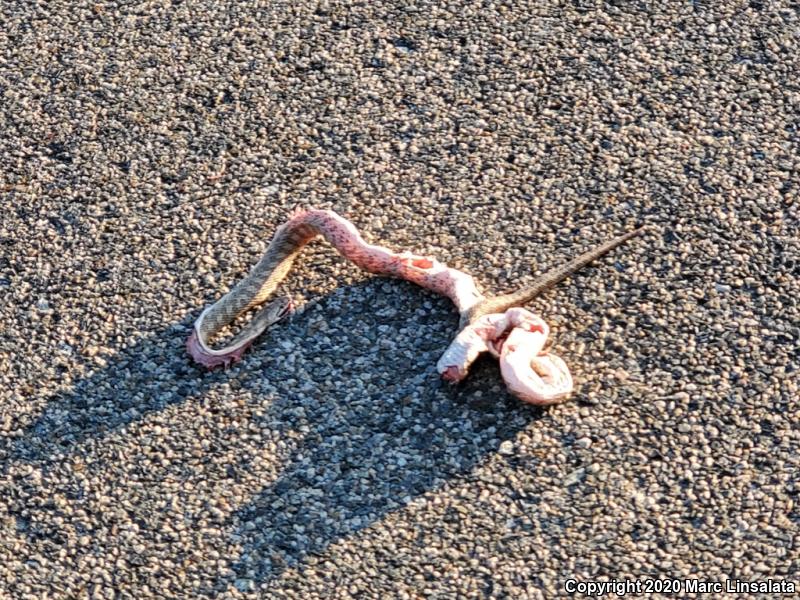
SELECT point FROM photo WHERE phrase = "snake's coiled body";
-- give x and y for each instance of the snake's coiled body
(514, 335)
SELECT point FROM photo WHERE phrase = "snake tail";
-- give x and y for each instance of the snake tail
(500, 304)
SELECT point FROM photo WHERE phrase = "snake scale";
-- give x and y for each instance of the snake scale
(496, 324)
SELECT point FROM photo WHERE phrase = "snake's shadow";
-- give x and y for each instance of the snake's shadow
(387, 431)
(357, 376)
(146, 376)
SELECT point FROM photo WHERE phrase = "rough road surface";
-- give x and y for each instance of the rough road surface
(148, 150)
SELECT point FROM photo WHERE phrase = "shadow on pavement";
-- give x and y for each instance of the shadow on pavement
(387, 431)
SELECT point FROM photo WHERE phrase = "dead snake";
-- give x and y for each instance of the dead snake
(497, 325)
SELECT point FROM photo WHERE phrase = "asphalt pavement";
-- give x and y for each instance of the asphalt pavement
(149, 149)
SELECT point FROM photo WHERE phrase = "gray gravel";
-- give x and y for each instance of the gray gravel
(149, 150)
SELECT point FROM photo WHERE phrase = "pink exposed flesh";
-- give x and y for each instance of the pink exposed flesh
(211, 361)
(517, 338)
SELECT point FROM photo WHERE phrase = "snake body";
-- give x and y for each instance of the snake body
(496, 325)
